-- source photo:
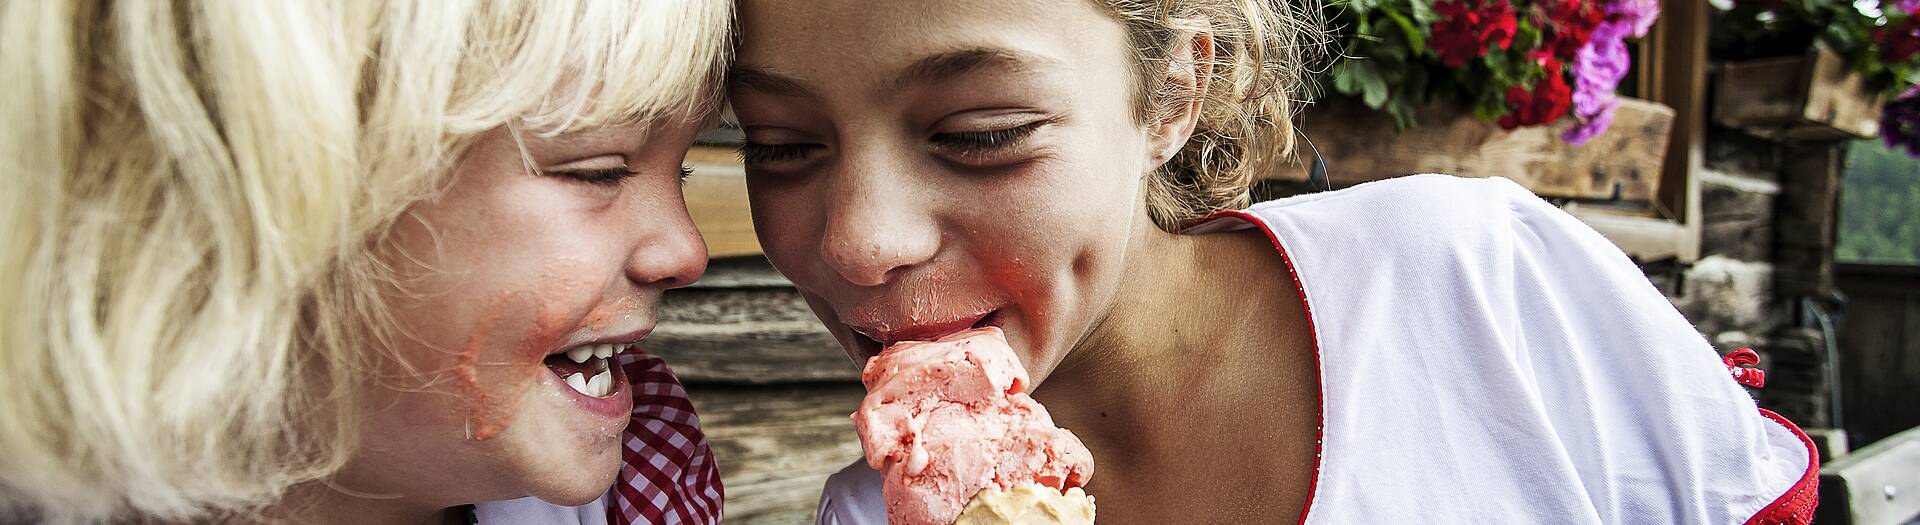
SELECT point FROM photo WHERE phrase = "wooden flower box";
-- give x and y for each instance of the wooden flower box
(1623, 164)
(1810, 97)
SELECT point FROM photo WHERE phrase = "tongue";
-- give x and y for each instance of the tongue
(563, 367)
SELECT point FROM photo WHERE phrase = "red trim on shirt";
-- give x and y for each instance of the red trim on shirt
(1319, 441)
(1795, 507)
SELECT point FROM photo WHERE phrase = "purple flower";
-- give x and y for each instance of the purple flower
(1640, 14)
(1590, 127)
(1900, 122)
(1597, 70)
(1603, 61)
(1905, 6)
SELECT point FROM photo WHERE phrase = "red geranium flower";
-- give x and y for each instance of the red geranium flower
(1546, 103)
(1899, 42)
(1465, 29)
(1567, 25)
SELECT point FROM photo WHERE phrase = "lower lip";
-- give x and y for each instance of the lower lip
(616, 405)
(870, 348)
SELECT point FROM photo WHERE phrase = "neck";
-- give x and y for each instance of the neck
(325, 502)
(1190, 342)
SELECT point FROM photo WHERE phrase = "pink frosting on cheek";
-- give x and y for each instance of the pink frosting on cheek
(495, 365)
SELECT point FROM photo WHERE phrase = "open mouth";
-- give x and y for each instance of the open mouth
(869, 345)
(588, 368)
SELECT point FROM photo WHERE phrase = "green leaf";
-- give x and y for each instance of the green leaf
(1373, 86)
(1344, 78)
(1422, 11)
(1526, 37)
(1415, 40)
(1408, 96)
(1394, 52)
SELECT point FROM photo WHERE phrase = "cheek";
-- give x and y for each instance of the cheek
(1052, 229)
(483, 340)
(502, 356)
(786, 220)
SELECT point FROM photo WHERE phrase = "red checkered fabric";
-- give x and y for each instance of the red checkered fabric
(668, 475)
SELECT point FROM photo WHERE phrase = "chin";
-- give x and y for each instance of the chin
(579, 486)
(564, 455)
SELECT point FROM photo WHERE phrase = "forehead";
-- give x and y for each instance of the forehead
(858, 41)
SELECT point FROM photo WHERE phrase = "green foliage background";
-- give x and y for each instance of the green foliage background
(1879, 206)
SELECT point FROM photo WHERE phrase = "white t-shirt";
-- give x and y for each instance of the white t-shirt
(1487, 358)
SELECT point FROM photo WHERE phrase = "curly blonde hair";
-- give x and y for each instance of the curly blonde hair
(1262, 52)
(196, 193)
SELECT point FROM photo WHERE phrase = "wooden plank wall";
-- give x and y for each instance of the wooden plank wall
(773, 390)
(1879, 350)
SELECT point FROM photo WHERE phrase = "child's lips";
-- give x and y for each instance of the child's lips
(879, 336)
(887, 335)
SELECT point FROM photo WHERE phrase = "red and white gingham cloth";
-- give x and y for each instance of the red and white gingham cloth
(668, 475)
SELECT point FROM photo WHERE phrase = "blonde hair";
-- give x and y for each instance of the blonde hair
(1262, 52)
(195, 194)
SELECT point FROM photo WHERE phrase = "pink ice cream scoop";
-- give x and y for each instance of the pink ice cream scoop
(944, 419)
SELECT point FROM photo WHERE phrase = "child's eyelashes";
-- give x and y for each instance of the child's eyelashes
(610, 176)
(970, 147)
(601, 176)
(755, 153)
(973, 143)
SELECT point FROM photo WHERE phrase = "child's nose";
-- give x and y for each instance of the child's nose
(878, 221)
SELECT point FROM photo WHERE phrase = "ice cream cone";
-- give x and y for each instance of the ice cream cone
(1028, 504)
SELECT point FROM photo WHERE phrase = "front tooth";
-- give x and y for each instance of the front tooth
(600, 385)
(603, 351)
(627, 347)
(579, 382)
(580, 354)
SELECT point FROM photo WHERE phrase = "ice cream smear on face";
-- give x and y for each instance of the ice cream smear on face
(950, 427)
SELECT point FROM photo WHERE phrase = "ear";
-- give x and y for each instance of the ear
(1189, 67)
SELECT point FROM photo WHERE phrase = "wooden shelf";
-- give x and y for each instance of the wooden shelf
(1811, 97)
(1361, 145)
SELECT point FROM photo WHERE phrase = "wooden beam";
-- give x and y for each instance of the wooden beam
(1680, 40)
(1643, 238)
(1806, 224)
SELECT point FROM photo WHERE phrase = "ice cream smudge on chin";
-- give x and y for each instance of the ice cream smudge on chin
(947, 420)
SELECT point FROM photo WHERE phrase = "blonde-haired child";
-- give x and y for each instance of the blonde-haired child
(314, 261)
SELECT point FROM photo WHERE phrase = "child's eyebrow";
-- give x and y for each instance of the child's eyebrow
(949, 64)
(763, 80)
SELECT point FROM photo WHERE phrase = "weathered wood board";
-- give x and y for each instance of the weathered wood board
(745, 324)
(1811, 97)
(777, 445)
(1361, 145)
(717, 199)
(1876, 485)
(1879, 350)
